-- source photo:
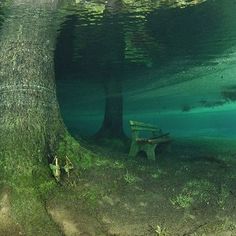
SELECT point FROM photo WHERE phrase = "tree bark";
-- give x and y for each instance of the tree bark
(30, 121)
(112, 126)
(113, 59)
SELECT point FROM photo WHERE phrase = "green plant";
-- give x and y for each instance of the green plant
(129, 178)
(182, 201)
(223, 195)
(101, 162)
(194, 191)
(157, 174)
(160, 231)
(118, 165)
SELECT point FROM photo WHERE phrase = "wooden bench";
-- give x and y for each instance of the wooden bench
(148, 145)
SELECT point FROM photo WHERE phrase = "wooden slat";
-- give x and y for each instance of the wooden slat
(136, 128)
(140, 126)
(161, 136)
(164, 139)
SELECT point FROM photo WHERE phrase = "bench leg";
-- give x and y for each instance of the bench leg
(151, 154)
(150, 151)
(134, 149)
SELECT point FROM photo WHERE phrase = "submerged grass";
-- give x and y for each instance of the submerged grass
(193, 192)
(118, 196)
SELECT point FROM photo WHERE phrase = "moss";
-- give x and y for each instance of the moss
(27, 195)
(30, 184)
(68, 146)
(79, 156)
(30, 212)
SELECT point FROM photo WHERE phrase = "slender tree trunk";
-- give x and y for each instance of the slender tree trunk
(30, 122)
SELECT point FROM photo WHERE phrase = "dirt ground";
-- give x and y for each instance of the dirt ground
(189, 190)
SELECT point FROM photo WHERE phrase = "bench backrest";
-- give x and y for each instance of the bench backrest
(137, 126)
(140, 126)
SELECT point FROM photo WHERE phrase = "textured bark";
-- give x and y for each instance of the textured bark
(30, 121)
(113, 60)
(112, 126)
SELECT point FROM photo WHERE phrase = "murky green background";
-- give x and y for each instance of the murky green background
(177, 65)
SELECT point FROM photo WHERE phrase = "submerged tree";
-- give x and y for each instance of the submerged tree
(108, 55)
(112, 71)
(112, 126)
(31, 128)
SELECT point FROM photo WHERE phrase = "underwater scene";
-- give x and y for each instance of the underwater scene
(117, 117)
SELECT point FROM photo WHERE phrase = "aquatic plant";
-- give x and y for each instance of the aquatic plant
(160, 231)
(118, 165)
(56, 170)
(102, 162)
(129, 178)
(157, 174)
(192, 192)
(223, 196)
(182, 201)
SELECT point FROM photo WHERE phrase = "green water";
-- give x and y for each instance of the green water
(173, 63)
(169, 63)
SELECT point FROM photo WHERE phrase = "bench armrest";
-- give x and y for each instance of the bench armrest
(160, 136)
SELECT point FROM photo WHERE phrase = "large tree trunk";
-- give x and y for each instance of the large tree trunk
(30, 122)
(112, 63)
(112, 126)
